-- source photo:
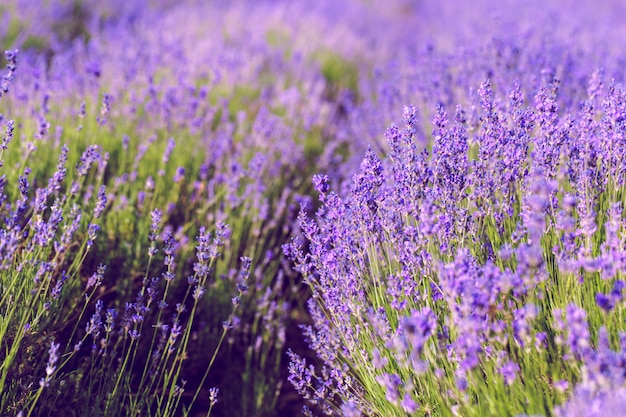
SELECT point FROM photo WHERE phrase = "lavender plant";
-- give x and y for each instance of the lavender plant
(127, 312)
(480, 277)
(57, 359)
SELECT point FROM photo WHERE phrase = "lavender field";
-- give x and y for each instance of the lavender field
(275, 208)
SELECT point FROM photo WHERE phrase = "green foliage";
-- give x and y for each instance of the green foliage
(339, 72)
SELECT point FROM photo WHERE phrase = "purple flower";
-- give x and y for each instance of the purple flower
(156, 216)
(320, 183)
(111, 315)
(198, 292)
(460, 379)
(410, 117)
(540, 340)
(509, 372)
(101, 202)
(350, 409)
(105, 107)
(95, 323)
(51, 366)
(576, 329)
(246, 264)
(413, 334)
(618, 287)
(213, 392)
(300, 375)
(43, 128)
(392, 385)
(378, 360)
(180, 174)
(561, 385)
(521, 323)
(408, 404)
(11, 58)
(92, 233)
(86, 160)
(552, 137)
(8, 135)
(605, 302)
(23, 184)
(168, 150)
(82, 111)
(365, 187)
(58, 286)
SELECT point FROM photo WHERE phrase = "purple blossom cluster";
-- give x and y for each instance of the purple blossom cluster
(504, 227)
(11, 58)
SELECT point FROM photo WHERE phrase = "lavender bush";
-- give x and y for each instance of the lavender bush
(64, 348)
(476, 270)
(480, 277)
(144, 240)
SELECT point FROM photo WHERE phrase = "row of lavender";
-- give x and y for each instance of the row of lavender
(153, 170)
(150, 178)
(478, 269)
(482, 277)
(122, 115)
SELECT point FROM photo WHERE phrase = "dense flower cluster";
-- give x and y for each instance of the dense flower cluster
(476, 259)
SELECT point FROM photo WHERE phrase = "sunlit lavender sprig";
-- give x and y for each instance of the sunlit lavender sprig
(7, 136)
(51, 366)
(11, 57)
